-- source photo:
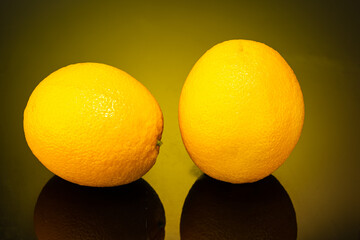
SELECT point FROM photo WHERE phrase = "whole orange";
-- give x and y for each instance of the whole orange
(93, 124)
(241, 111)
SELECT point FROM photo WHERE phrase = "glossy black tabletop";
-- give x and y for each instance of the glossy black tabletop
(313, 195)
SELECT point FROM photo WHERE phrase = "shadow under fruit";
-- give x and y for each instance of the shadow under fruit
(219, 210)
(68, 211)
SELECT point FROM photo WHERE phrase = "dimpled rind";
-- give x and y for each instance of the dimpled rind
(241, 111)
(94, 125)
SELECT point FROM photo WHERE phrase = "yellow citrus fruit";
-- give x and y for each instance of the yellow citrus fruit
(93, 124)
(241, 111)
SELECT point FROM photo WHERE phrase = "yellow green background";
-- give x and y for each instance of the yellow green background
(157, 42)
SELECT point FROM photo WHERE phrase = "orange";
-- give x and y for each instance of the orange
(93, 124)
(241, 111)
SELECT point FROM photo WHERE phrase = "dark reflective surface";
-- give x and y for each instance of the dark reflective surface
(219, 210)
(158, 42)
(65, 211)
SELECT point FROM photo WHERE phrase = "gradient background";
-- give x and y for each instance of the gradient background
(158, 42)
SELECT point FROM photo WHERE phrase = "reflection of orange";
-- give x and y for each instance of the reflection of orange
(218, 210)
(68, 211)
(94, 125)
(241, 111)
